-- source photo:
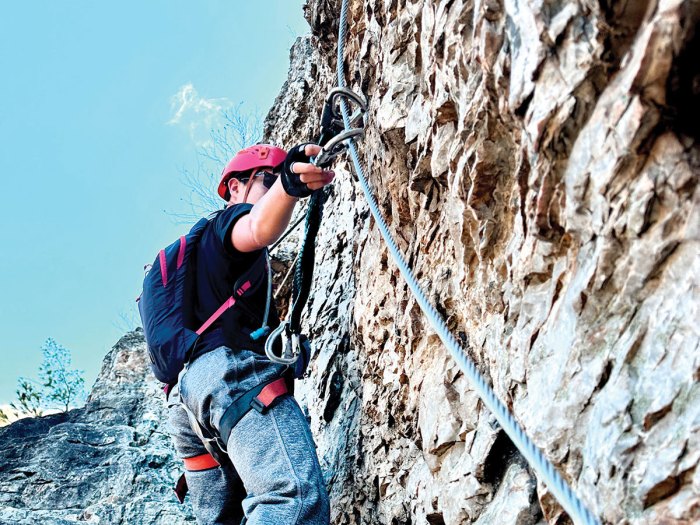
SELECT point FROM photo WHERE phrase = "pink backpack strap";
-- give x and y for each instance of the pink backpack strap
(227, 304)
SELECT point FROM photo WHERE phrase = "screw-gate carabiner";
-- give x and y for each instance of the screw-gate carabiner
(334, 139)
(290, 346)
(332, 117)
(337, 145)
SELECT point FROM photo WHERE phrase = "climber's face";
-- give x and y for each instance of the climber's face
(251, 189)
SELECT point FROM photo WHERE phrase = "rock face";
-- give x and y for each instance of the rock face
(109, 462)
(538, 165)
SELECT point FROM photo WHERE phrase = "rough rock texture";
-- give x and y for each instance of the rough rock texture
(538, 165)
(109, 462)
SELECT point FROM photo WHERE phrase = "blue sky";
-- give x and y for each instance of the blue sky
(101, 108)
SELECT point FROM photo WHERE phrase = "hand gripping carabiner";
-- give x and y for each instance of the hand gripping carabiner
(290, 346)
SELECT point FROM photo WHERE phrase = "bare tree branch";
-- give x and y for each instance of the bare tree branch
(238, 130)
(128, 320)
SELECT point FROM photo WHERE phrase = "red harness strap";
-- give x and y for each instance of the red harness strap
(193, 464)
(266, 396)
(272, 391)
(260, 398)
(201, 462)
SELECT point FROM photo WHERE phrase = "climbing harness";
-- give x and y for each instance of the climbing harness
(335, 138)
(561, 490)
(193, 464)
(261, 398)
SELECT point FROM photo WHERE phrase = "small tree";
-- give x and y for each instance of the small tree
(237, 131)
(58, 387)
(129, 319)
(61, 385)
(29, 399)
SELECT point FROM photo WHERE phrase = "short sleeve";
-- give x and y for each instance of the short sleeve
(224, 225)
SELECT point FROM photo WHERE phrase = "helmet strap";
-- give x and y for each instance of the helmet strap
(250, 185)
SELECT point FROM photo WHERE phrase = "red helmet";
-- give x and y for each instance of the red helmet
(258, 156)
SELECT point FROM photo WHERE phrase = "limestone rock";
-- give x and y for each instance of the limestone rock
(108, 462)
(537, 163)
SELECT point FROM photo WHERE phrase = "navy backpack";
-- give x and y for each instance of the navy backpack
(166, 309)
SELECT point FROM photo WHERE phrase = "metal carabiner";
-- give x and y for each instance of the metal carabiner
(337, 145)
(332, 123)
(334, 138)
(290, 346)
(332, 116)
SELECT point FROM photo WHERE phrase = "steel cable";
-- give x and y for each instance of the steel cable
(561, 490)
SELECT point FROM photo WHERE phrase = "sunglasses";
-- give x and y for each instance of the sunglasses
(269, 178)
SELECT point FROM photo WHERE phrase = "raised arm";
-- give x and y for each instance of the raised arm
(272, 211)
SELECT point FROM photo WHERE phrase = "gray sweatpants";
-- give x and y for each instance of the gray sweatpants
(276, 478)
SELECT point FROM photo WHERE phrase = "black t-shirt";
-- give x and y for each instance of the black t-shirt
(219, 269)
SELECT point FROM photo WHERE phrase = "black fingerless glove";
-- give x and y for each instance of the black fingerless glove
(291, 182)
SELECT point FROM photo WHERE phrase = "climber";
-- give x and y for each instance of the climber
(259, 467)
